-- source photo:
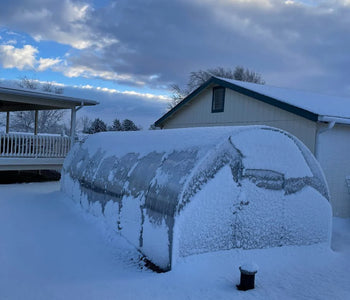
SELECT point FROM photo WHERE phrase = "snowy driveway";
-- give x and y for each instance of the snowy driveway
(49, 250)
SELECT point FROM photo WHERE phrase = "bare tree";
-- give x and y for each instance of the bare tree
(23, 121)
(197, 78)
(84, 123)
(58, 90)
(49, 121)
(50, 87)
(47, 87)
(177, 95)
(243, 74)
(28, 83)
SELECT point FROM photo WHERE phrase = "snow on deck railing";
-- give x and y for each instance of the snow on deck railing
(27, 145)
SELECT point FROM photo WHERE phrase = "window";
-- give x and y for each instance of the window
(218, 99)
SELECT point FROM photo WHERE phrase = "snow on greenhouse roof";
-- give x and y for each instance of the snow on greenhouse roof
(203, 140)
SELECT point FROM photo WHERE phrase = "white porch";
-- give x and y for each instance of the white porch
(20, 151)
(33, 151)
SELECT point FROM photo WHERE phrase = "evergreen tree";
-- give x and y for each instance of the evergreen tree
(117, 126)
(129, 125)
(97, 126)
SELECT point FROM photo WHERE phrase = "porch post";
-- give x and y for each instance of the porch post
(36, 123)
(72, 125)
(7, 122)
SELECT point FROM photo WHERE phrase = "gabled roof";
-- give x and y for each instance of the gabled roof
(312, 106)
(21, 99)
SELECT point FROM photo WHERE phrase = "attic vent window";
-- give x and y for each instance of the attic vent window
(218, 99)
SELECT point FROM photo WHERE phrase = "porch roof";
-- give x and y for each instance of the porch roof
(21, 100)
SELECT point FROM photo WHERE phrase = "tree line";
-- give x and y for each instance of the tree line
(98, 125)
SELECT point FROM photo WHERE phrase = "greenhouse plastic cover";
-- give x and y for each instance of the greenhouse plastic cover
(179, 192)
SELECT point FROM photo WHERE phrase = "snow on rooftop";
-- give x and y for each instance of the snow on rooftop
(323, 105)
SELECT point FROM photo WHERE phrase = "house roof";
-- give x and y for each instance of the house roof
(21, 99)
(312, 106)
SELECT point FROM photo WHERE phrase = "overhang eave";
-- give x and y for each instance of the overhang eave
(16, 100)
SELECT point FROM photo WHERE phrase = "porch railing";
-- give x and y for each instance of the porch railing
(28, 145)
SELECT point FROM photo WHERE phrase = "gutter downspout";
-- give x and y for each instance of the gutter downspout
(331, 123)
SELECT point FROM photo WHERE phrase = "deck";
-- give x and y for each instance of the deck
(21, 151)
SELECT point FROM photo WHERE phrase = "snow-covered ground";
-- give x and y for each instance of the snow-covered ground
(50, 250)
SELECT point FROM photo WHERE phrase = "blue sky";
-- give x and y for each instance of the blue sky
(126, 54)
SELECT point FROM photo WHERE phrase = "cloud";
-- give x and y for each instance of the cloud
(287, 44)
(144, 109)
(297, 43)
(161, 98)
(25, 58)
(11, 42)
(89, 72)
(20, 58)
(65, 22)
(47, 63)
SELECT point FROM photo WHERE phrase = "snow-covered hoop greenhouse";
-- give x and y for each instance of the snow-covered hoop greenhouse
(174, 193)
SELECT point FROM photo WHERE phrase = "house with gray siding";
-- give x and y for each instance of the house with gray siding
(321, 122)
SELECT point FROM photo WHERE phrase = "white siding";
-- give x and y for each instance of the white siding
(242, 110)
(333, 155)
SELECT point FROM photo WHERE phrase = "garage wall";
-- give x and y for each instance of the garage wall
(333, 155)
(241, 110)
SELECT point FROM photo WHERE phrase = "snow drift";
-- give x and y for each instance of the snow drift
(178, 192)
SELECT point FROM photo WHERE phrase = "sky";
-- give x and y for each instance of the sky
(126, 54)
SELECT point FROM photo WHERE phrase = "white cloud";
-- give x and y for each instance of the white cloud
(47, 63)
(90, 72)
(150, 96)
(11, 42)
(25, 58)
(20, 58)
(86, 86)
(66, 22)
(146, 96)
(130, 41)
(87, 72)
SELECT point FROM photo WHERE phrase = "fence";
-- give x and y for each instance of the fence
(37, 146)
